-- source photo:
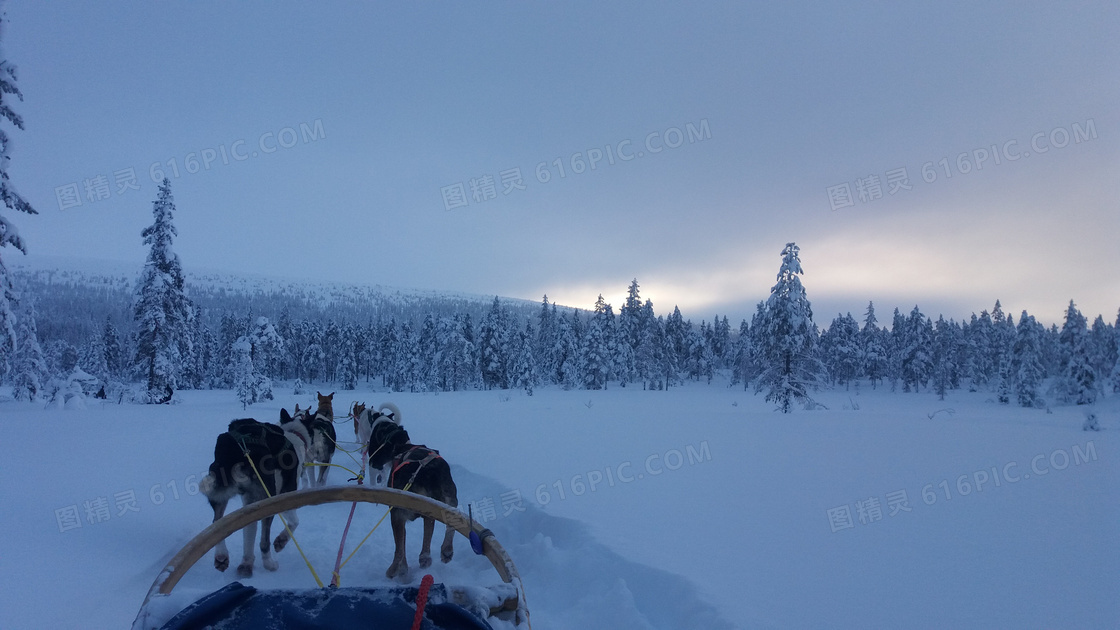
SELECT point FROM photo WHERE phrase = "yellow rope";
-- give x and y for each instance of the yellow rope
(370, 533)
(283, 520)
(334, 465)
(350, 453)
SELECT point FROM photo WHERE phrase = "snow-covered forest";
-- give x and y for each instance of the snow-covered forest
(158, 332)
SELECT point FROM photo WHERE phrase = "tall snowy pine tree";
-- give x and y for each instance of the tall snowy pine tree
(788, 339)
(30, 368)
(1078, 382)
(1026, 362)
(161, 309)
(9, 235)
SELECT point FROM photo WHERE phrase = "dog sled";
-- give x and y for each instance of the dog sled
(428, 606)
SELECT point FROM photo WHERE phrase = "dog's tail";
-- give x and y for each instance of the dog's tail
(226, 455)
(208, 484)
(393, 412)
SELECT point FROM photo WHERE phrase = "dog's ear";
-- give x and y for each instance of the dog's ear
(330, 396)
(297, 408)
(284, 417)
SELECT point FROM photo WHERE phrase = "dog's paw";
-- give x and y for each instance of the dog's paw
(245, 570)
(446, 553)
(280, 542)
(221, 563)
(397, 570)
(425, 560)
(270, 563)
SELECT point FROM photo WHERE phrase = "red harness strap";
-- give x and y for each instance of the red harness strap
(402, 460)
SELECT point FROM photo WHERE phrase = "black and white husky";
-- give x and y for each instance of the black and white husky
(277, 454)
(365, 419)
(410, 467)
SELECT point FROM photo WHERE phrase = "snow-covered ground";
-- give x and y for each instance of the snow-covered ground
(696, 508)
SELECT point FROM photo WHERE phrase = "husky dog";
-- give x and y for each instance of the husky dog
(418, 469)
(365, 418)
(277, 454)
(320, 426)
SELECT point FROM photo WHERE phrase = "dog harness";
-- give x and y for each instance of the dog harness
(249, 432)
(403, 460)
(306, 446)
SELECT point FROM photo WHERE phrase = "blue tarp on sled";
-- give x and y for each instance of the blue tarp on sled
(236, 607)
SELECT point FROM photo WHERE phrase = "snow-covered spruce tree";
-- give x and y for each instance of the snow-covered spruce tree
(700, 359)
(229, 331)
(721, 343)
(425, 376)
(206, 369)
(1026, 362)
(594, 356)
(161, 309)
(332, 348)
(1005, 384)
(346, 372)
(748, 360)
(469, 374)
(676, 332)
(403, 375)
(788, 339)
(111, 345)
(29, 365)
(286, 329)
(841, 349)
(493, 338)
(1114, 374)
(9, 235)
(943, 358)
(650, 357)
(1081, 380)
(569, 334)
(192, 372)
(313, 357)
(267, 347)
(242, 370)
(388, 344)
(873, 347)
(917, 351)
(91, 358)
(251, 386)
(740, 353)
(546, 342)
(524, 364)
(1078, 381)
(446, 338)
(896, 347)
(1002, 335)
(630, 329)
(987, 358)
(1102, 348)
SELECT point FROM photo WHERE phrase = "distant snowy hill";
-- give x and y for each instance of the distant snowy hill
(106, 287)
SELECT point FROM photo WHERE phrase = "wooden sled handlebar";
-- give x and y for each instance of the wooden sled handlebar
(229, 524)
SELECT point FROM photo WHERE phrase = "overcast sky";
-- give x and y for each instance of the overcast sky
(380, 142)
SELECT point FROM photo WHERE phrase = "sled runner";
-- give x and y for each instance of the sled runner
(429, 606)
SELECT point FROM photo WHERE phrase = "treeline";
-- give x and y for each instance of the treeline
(161, 336)
(635, 347)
